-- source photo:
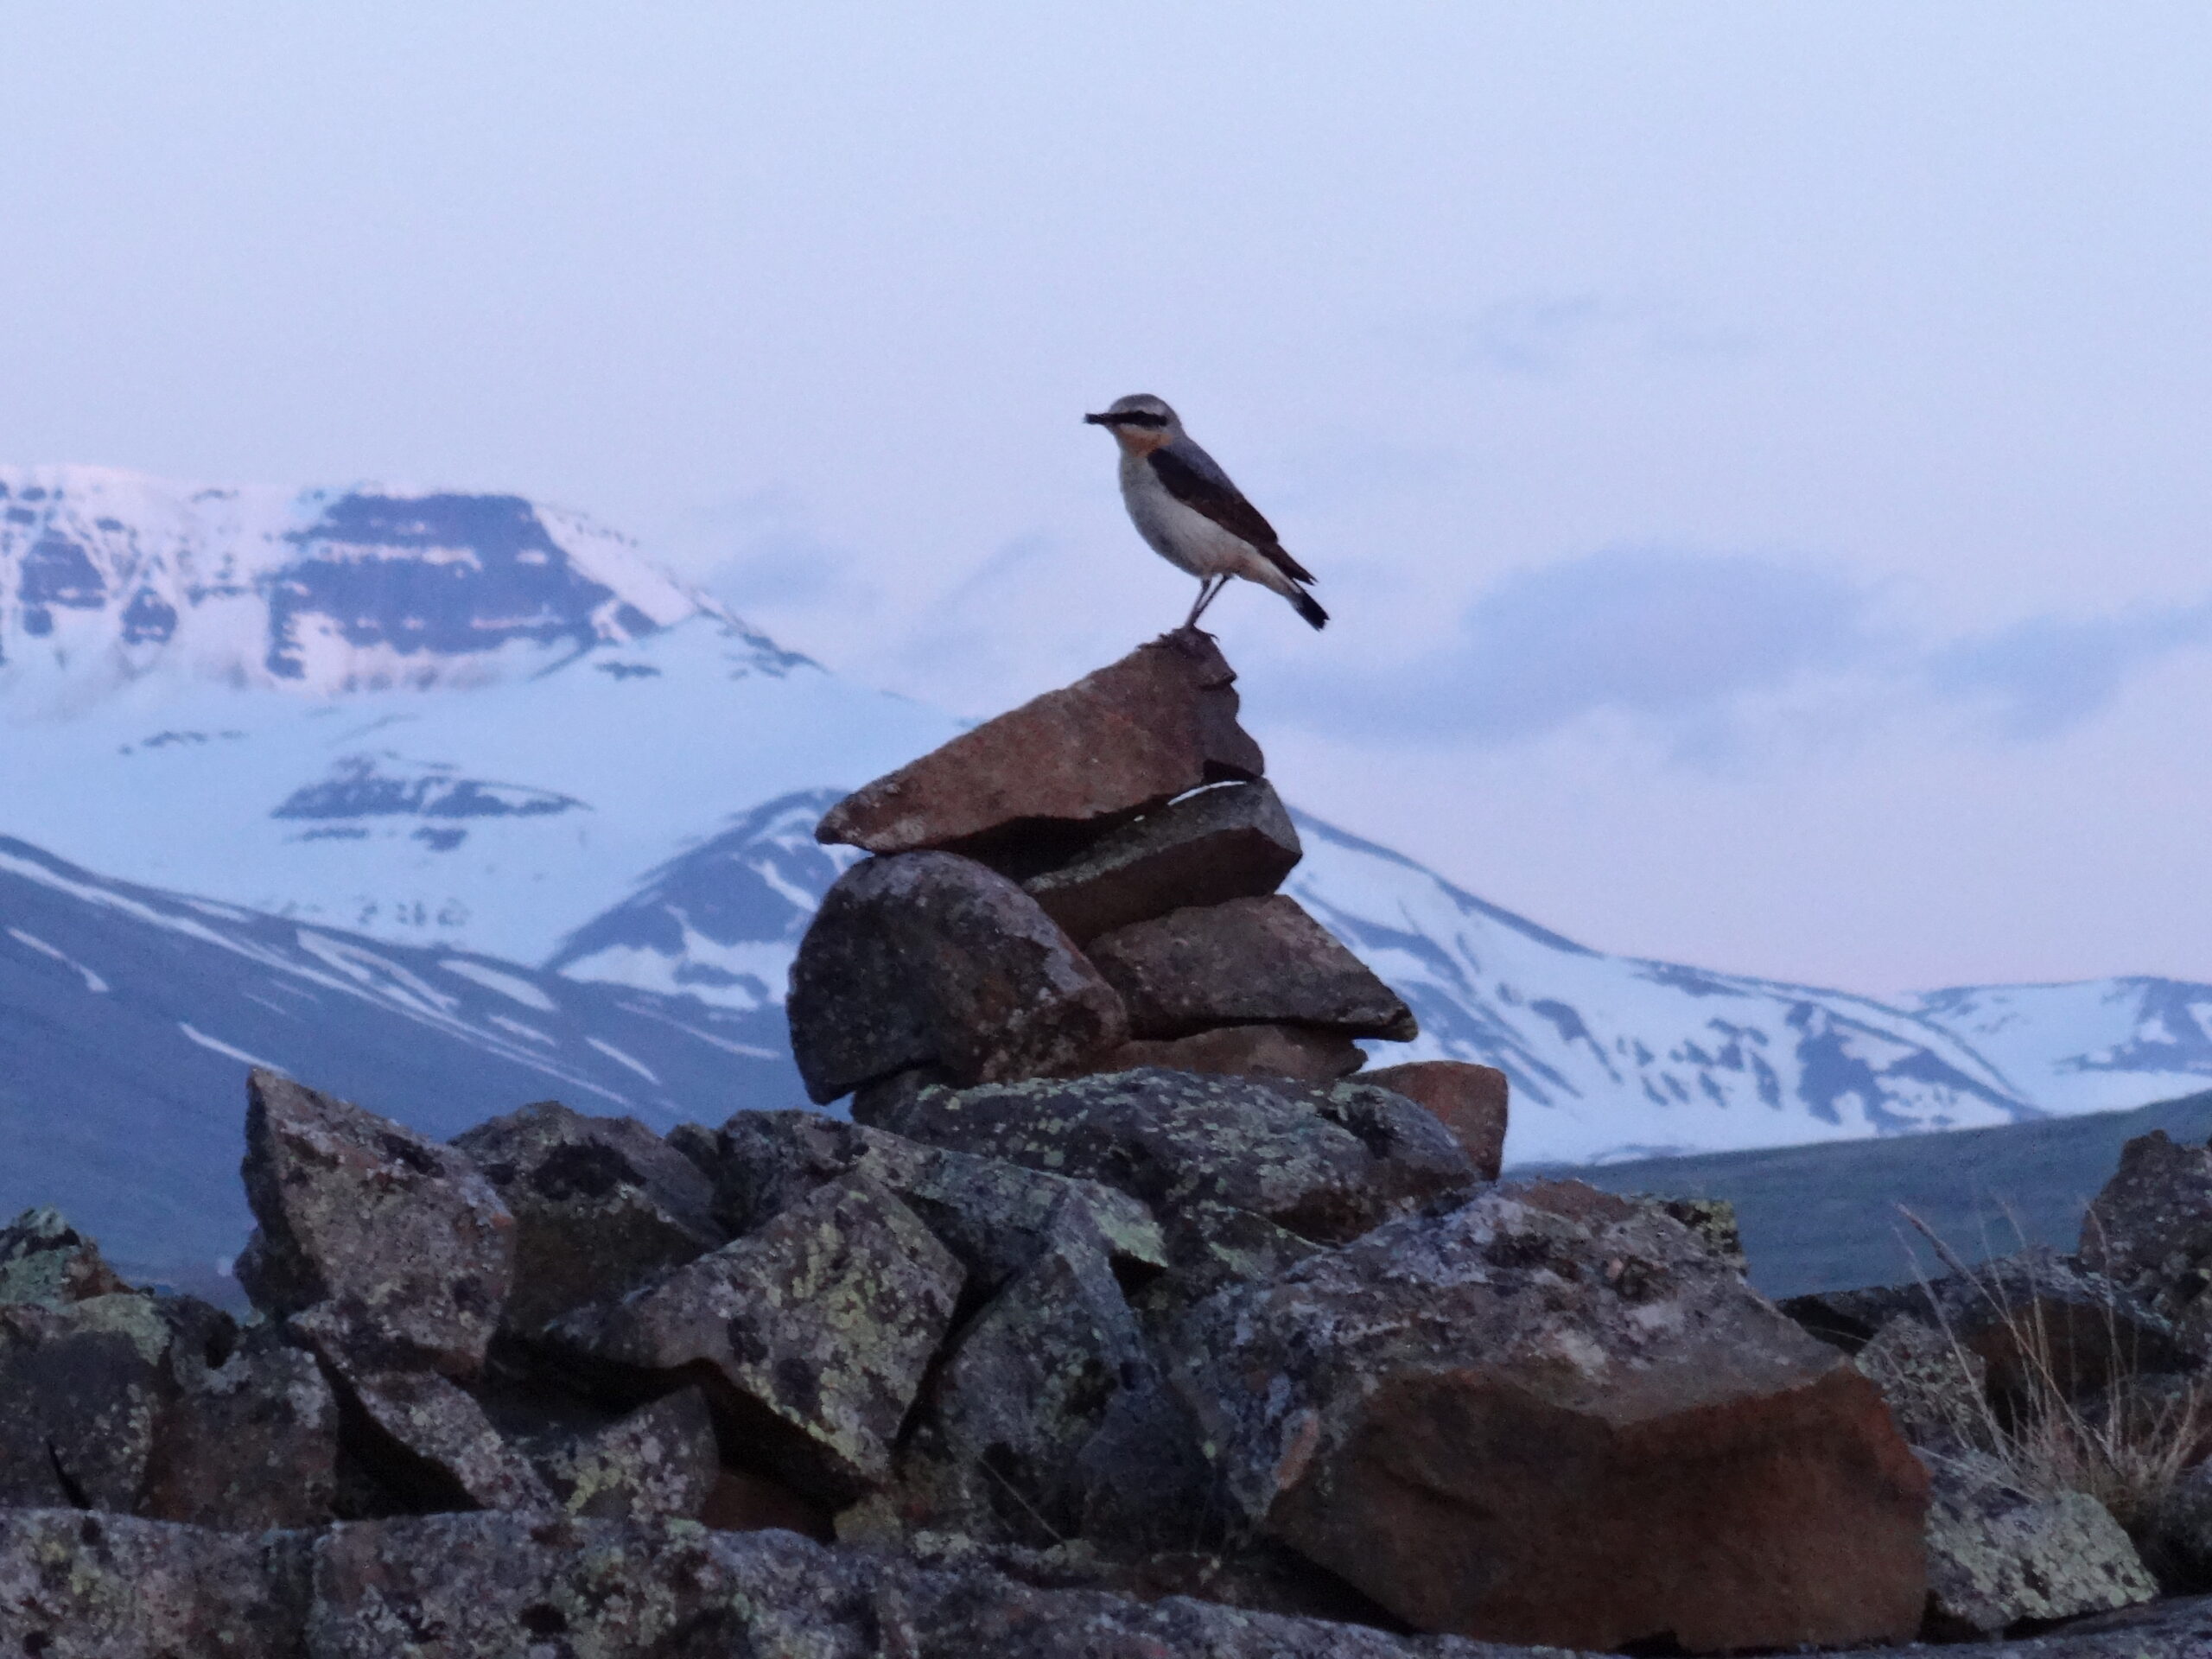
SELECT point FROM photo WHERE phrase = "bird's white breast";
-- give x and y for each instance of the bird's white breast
(1183, 535)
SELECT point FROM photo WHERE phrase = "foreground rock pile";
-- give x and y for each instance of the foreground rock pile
(1124, 1316)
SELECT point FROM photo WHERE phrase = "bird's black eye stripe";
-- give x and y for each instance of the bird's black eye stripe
(1136, 418)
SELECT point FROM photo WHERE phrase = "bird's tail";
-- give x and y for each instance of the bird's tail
(1307, 606)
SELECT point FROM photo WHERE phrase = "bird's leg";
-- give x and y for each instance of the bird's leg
(1209, 589)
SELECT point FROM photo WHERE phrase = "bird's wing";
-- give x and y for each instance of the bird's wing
(1192, 477)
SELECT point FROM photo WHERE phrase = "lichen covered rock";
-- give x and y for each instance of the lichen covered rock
(249, 1439)
(45, 1261)
(1998, 1556)
(600, 1203)
(658, 1460)
(81, 1392)
(929, 959)
(811, 1335)
(1552, 1416)
(397, 1245)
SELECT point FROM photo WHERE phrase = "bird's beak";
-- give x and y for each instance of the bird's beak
(1098, 420)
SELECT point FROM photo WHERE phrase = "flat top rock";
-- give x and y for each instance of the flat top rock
(1131, 737)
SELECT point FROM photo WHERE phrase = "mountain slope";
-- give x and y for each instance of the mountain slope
(129, 1018)
(2092, 1047)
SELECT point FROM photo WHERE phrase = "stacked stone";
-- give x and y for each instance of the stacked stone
(1089, 884)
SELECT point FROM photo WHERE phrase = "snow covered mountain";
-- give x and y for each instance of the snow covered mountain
(472, 724)
(129, 1018)
(2101, 1045)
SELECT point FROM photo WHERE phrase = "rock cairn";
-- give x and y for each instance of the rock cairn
(1062, 1349)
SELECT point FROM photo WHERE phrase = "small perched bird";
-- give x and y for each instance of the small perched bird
(1184, 505)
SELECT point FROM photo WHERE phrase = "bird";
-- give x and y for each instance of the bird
(1184, 505)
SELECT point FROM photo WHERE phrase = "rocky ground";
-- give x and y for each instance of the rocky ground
(1123, 1315)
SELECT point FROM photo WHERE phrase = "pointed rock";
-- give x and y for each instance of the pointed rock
(1248, 962)
(390, 1238)
(1127, 739)
(929, 959)
(811, 1335)
(600, 1203)
(1235, 842)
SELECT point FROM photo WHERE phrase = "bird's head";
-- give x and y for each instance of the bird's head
(1140, 422)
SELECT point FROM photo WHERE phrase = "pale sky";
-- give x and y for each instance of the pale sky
(1756, 454)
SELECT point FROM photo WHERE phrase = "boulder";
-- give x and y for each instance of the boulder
(395, 1243)
(658, 1460)
(1234, 841)
(1552, 1416)
(1998, 1557)
(74, 1585)
(1327, 1163)
(600, 1203)
(929, 959)
(811, 1335)
(1130, 738)
(249, 1439)
(2150, 1230)
(995, 1217)
(427, 1442)
(43, 1260)
(1247, 962)
(1297, 1052)
(1935, 1389)
(1468, 1100)
(83, 1388)
(1048, 1418)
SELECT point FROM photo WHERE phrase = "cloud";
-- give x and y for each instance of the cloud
(1707, 652)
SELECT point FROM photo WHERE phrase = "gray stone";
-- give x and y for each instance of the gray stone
(249, 1440)
(1998, 1557)
(398, 1245)
(2150, 1230)
(995, 1217)
(929, 959)
(1935, 1389)
(658, 1460)
(600, 1203)
(1325, 1163)
(811, 1335)
(1040, 780)
(43, 1260)
(429, 1441)
(1232, 841)
(74, 1585)
(1551, 1415)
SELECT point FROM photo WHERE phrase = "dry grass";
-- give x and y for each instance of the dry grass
(2122, 1435)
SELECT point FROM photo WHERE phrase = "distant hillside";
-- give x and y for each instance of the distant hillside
(1825, 1218)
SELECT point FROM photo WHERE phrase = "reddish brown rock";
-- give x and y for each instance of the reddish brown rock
(1236, 842)
(1297, 1052)
(1133, 736)
(1552, 1417)
(1248, 962)
(811, 1335)
(250, 1439)
(742, 1501)
(600, 1203)
(930, 959)
(394, 1243)
(1468, 1100)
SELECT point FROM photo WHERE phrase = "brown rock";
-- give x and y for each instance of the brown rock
(394, 1242)
(250, 1439)
(811, 1335)
(74, 1585)
(1296, 1051)
(929, 959)
(1248, 962)
(743, 1501)
(1468, 1100)
(600, 1203)
(1133, 736)
(1236, 842)
(1552, 1416)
